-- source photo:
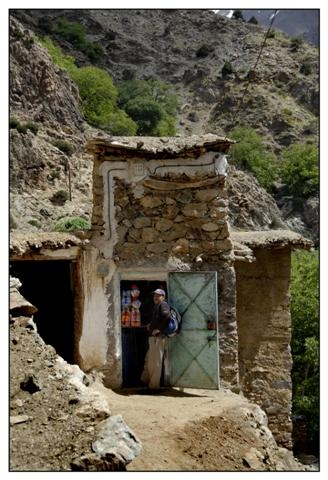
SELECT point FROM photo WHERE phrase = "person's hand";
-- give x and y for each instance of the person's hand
(156, 332)
(148, 326)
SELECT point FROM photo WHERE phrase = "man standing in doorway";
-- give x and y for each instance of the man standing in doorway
(161, 315)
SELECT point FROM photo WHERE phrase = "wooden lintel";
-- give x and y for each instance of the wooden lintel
(157, 184)
(48, 254)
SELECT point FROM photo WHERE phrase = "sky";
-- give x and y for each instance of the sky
(4, 172)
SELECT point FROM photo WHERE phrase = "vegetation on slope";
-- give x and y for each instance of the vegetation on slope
(137, 107)
(305, 341)
(297, 166)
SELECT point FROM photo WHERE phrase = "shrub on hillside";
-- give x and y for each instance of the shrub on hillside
(69, 224)
(306, 68)
(203, 51)
(13, 123)
(23, 127)
(271, 34)
(305, 341)
(64, 146)
(66, 62)
(33, 127)
(59, 198)
(227, 69)
(238, 15)
(99, 101)
(253, 20)
(74, 32)
(295, 44)
(145, 112)
(34, 223)
(93, 50)
(300, 169)
(251, 154)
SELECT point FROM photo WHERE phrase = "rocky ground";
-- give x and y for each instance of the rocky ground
(62, 420)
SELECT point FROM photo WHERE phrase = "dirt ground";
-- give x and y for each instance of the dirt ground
(189, 430)
(195, 430)
(181, 430)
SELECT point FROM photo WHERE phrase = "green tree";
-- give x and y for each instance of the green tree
(166, 127)
(131, 89)
(73, 32)
(305, 340)
(146, 113)
(151, 104)
(300, 169)
(249, 153)
(99, 101)
(98, 94)
(238, 15)
(253, 20)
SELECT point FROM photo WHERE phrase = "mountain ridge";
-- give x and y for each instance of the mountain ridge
(303, 23)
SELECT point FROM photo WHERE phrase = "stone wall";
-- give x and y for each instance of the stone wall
(264, 329)
(183, 229)
(185, 223)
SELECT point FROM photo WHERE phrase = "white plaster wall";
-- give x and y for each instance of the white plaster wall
(94, 339)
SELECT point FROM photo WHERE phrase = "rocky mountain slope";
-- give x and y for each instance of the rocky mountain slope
(166, 44)
(184, 48)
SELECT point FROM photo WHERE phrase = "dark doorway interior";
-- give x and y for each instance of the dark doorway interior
(135, 338)
(48, 286)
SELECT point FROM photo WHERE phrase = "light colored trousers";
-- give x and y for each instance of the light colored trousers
(153, 362)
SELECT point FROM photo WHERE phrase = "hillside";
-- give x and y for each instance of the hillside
(184, 48)
(166, 44)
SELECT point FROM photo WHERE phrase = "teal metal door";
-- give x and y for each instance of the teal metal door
(192, 355)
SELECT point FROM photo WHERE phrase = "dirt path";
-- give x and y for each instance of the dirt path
(159, 422)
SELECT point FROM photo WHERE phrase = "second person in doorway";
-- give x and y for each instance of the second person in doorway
(161, 315)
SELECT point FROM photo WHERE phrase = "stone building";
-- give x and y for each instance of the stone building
(160, 220)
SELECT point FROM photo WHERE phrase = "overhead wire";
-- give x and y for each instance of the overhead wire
(255, 65)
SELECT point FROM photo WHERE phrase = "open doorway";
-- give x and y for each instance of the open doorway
(49, 286)
(136, 311)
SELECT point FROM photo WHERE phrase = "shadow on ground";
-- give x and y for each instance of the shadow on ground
(163, 392)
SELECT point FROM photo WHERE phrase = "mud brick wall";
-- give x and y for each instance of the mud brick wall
(264, 328)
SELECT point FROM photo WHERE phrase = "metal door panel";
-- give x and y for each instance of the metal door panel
(193, 354)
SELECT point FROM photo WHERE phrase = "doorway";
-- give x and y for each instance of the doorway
(48, 285)
(136, 311)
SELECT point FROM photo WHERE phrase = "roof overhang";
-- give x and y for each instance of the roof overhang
(271, 239)
(158, 147)
(48, 244)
